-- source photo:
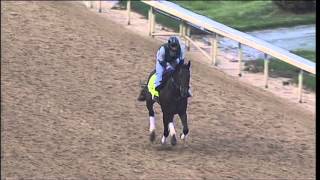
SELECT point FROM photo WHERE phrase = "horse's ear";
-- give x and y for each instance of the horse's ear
(189, 64)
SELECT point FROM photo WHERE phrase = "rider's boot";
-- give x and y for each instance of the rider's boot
(156, 98)
(189, 93)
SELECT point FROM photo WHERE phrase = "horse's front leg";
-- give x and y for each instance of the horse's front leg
(168, 127)
(152, 120)
(184, 121)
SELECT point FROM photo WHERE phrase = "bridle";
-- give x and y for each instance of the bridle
(177, 87)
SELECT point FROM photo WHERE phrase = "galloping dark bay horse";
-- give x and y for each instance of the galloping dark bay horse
(173, 99)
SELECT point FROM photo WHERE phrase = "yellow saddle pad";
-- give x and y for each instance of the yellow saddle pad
(151, 86)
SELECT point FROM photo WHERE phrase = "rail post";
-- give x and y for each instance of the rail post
(300, 85)
(214, 48)
(188, 35)
(100, 10)
(240, 59)
(149, 20)
(152, 21)
(181, 28)
(266, 70)
(128, 11)
(184, 28)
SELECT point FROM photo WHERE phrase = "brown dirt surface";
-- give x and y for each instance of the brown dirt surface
(69, 83)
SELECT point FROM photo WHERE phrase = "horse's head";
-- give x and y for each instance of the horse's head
(182, 78)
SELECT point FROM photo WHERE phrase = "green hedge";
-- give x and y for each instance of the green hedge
(242, 15)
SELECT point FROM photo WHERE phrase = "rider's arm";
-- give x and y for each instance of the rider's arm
(160, 56)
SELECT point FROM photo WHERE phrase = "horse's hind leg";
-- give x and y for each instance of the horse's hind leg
(184, 121)
(152, 120)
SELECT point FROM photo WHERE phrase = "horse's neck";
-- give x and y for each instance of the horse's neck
(170, 87)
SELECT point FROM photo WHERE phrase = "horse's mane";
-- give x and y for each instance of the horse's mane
(181, 66)
(167, 75)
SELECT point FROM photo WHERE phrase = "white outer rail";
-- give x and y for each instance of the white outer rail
(236, 35)
(207, 24)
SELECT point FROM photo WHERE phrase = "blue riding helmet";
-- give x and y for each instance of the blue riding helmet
(174, 45)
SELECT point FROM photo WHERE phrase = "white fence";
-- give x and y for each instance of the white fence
(188, 18)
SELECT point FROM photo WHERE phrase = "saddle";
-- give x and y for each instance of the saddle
(151, 79)
(150, 86)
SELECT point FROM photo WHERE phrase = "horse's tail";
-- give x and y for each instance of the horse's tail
(143, 92)
(144, 88)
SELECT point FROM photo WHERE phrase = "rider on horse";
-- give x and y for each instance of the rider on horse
(169, 56)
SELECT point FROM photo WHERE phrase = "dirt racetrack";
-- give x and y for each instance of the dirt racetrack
(69, 83)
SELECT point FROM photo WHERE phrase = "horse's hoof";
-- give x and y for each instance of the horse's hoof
(173, 140)
(152, 136)
(163, 140)
(183, 137)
